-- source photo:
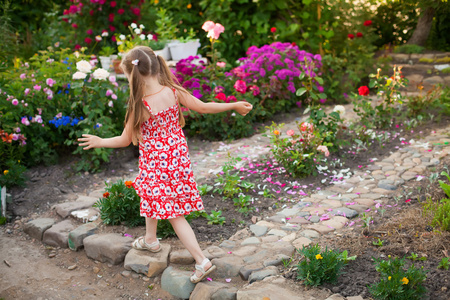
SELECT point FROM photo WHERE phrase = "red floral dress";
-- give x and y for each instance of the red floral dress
(165, 182)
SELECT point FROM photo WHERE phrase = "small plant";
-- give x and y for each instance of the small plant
(378, 243)
(409, 49)
(215, 217)
(230, 180)
(204, 189)
(346, 258)
(366, 220)
(287, 262)
(267, 194)
(107, 51)
(243, 202)
(396, 282)
(317, 266)
(426, 60)
(415, 257)
(444, 263)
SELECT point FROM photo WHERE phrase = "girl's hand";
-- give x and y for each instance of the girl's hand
(243, 107)
(91, 141)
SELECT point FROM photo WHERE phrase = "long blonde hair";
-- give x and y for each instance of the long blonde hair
(149, 65)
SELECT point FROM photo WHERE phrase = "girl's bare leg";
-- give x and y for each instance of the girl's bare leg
(187, 237)
(150, 231)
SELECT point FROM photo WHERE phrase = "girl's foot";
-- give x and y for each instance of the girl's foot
(202, 270)
(141, 244)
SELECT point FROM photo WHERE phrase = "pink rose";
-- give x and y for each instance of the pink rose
(37, 87)
(114, 96)
(23, 76)
(221, 64)
(112, 78)
(216, 31)
(27, 91)
(240, 86)
(15, 102)
(324, 149)
(290, 132)
(231, 98)
(255, 90)
(50, 82)
(208, 25)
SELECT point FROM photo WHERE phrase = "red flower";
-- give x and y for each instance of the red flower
(273, 29)
(136, 11)
(89, 31)
(221, 96)
(113, 3)
(73, 9)
(367, 23)
(105, 195)
(65, 12)
(351, 36)
(293, 44)
(255, 90)
(111, 18)
(240, 86)
(77, 47)
(113, 38)
(128, 184)
(125, 23)
(363, 90)
(359, 34)
(91, 12)
(112, 28)
(231, 98)
(65, 20)
(88, 40)
(74, 25)
(121, 11)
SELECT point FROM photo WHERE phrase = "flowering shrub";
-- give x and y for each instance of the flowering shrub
(47, 103)
(299, 153)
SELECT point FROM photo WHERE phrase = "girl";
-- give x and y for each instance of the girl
(165, 181)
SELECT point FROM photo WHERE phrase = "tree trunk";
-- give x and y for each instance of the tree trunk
(420, 34)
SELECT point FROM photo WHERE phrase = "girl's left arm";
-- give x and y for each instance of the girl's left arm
(93, 141)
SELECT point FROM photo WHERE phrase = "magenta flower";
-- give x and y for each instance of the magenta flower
(15, 102)
(23, 76)
(255, 90)
(231, 98)
(240, 86)
(50, 82)
(37, 87)
(25, 121)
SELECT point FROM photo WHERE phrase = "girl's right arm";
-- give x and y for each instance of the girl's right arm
(189, 101)
(93, 141)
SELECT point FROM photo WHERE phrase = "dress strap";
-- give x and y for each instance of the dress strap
(175, 94)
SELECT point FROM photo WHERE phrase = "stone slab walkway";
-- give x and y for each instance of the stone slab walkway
(252, 253)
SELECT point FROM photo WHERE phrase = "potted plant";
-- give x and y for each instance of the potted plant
(185, 46)
(167, 32)
(106, 56)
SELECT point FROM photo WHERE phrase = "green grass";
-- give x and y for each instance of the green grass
(409, 49)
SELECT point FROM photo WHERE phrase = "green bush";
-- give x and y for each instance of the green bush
(12, 174)
(409, 49)
(396, 282)
(317, 267)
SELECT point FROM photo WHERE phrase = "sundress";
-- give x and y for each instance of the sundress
(165, 182)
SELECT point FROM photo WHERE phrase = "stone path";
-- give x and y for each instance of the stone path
(253, 253)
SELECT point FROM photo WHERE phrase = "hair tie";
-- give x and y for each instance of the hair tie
(135, 62)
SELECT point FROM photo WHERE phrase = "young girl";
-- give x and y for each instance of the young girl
(154, 120)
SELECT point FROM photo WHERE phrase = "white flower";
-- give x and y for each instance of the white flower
(141, 26)
(133, 25)
(150, 37)
(122, 37)
(339, 109)
(110, 103)
(84, 66)
(100, 74)
(79, 75)
(137, 31)
(142, 36)
(119, 43)
(98, 38)
(105, 33)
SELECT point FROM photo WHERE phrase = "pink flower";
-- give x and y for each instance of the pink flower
(23, 76)
(112, 78)
(109, 93)
(121, 11)
(113, 3)
(25, 121)
(27, 91)
(221, 96)
(208, 25)
(15, 102)
(74, 25)
(136, 11)
(231, 98)
(240, 86)
(37, 87)
(255, 90)
(290, 132)
(324, 149)
(89, 31)
(50, 82)
(221, 64)
(216, 31)
(15, 137)
(114, 96)
(88, 40)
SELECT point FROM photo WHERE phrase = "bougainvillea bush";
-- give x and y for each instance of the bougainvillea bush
(268, 78)
(47, 103)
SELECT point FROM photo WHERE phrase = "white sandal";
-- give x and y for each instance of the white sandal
(201, 268)
(141, 244)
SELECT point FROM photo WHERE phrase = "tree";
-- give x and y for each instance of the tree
(422, 31)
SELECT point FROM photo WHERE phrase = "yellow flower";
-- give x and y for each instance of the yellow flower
(5, 172)
(318, 256)
(388, 82)
(189, 6)
(156, 1)
(389, 278)
(404, 280)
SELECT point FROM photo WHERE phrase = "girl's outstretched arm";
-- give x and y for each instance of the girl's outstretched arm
(93, 141)
(199, 106)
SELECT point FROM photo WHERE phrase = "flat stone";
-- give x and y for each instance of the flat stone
(383, 191)
(314, 219)
(366, 202)
(228, 244)
(277, 232)
(277, 260)
(146, 262)
(265, 224)
(387, 168)
(270, 239)
(251, 241)
(225, 294)
(355, 298)
(76, 236)
(245, 251)
(239, 235)
(372, 196)
(97, 193)
(182, 257)
(280, 247)
(301, 242)
(434, 80)
(279, 218)
(110, 247)
(361, 190)
(344, 211)
(260, 275)
(246, 270)
(86, 215)
(177, 282)
(258, 230)
(227, 266)
(351, 196)
(36, 228)
(214, 252)
(409, 175)
(291, 227)
(336, 222)
(64, 209)
(289, 237)
(58, 234)
(331, 203)
(322, 229)
(205, 290)
(387, 185)
(263, 290)
(310, 234)
(336, 297)
(359, 208)
(258, 256)
(298, 220)
(287, 212)
(302, 204)
(302, 214)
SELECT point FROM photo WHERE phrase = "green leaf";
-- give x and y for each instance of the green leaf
(302, 76)
(319, 80)
(323, 96)
(301, 91)
(372, 83)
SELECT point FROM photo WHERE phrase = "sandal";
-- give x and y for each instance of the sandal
(194, 278)
(141, 244)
